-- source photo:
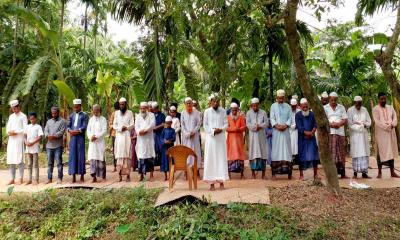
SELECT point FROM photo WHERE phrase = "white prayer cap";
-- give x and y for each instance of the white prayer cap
(172, 108)
(144, 104)
(255, 100)
(122, 100)
(14, 103)
(333, 94)
(295, 97)
(154, 104)
(324, 95)
(194, 102)
(357, 99)
(211, 97)
(293, 102)
(188, 99)
(234, 105)
(280, 93)
(168, 119)
(303, 100)
(77, 101)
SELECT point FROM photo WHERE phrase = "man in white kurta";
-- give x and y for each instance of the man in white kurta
(293, 129)
(215, 159)
(123, 124)
(190, 126)
(145, 123)
(16, 125)
(359, 122)
(281, 119)
(256, 122)
(96, 131)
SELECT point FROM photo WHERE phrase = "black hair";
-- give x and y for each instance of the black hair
(380, 94)
(116, 105)
(174, 104)
(54, 108)
(32, 114)
(235, 100)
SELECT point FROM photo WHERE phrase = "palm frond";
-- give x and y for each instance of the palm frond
(65, 90)
(128, 10)
(154, 74)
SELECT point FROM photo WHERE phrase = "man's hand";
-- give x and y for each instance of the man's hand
(238, 130)
(94, 138)
(11, 133)
(124, 128)
(192, 134)
(258, 127)
(217, 131)
(142, 132)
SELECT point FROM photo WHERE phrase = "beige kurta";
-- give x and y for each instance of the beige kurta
(122, 146)
(385, 122)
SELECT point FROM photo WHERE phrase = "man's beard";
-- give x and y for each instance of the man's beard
(383, 104)
(215, 108)
(305, 113)
(143, 114)
(123, 110)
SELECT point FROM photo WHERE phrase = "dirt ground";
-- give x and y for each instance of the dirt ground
(356, 214)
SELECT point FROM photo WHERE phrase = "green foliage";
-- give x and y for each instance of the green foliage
(64, 90)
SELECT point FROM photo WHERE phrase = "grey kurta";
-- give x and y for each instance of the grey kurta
(257, 139)
(281, 115)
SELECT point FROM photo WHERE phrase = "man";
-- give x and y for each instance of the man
(385, 119)
(234, 100)
(77, 128)
(281, 119)
(176, 124)
(307, 142)
(96, 131)
(293, 129)
(178, 114)
(144, 125)
(235, 141)
(359, 123)
(112, 133)
(54, 133)
(215, 159)
(256, 122)
(190, 123)
(33, 135)
(123, 124)
(324, 98)
(16, 125)
(158, 142)
(337, 118)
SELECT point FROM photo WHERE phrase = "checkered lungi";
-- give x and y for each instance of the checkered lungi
(337, 145)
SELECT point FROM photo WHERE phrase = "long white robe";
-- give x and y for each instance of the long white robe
(176, 125)
(15, 146)
(257, 139)
(145, 144)
(359, 143)
(294, 137)
(215, 157)
(122, 145)
(191, 123)
(97, 127)
(281, 147)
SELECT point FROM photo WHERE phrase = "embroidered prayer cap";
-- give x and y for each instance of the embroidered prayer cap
(188, 99)
(293, 102)
(303, 100)
(333, 94)
(144, 104)
(280, 93)
(357, 99)
(172, 108)
(77, 101)
(122, 100)
(234, 105)
(14, 103)
(168, 119)
(324, 95)
(255, 100)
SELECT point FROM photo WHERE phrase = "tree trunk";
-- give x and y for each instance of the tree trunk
(305, 84)
(1, 130)
(14, 62)
(85, 23)
(271, 72)
(61, 27)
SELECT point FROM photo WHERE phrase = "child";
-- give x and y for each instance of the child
(168, 137)
(33, 135)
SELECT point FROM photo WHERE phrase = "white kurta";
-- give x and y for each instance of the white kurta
(176, 125)
(257, 139)
(281, 146)
(15, 146)
(97, 127)
(294, 137)
(191, 123)
(122, 146)
(32, 132)
(359, 143)
(145, 144)
(215, 157)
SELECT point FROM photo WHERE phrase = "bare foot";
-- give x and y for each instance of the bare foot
(221, 186)
(35, 183)
(379, 175)
(20, 181)
(273, 178)
(394, 175)
(93, 180)
(290, 177)
(301, 178)
(344, 177)
(128, 178)
(317, 178)
(11, 182)
(212, 188)
(29, 182)
(49, 181)
(115, 169)
(120, 178)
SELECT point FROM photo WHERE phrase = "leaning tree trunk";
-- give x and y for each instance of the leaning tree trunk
(271, 72)
(305, 84)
